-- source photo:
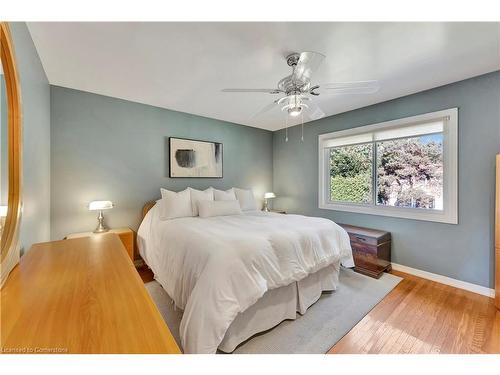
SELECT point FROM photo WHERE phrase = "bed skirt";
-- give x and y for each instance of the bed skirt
(279, 304)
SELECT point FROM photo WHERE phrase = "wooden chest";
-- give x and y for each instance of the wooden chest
(371, 249)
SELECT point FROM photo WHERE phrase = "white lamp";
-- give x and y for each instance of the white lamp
(268, 195)
(99, 206)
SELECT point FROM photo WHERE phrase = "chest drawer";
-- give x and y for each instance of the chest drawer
(363, 240)
(365, 236)
(361, 248)
(371, 250)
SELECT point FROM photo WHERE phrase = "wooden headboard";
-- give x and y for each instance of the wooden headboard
(147, 206)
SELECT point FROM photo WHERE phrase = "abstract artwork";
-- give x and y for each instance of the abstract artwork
(190, 158)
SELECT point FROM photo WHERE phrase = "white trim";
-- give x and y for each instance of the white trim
(399, 212)
(474, 288)
(450, 189)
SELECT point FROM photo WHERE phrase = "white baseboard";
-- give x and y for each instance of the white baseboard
(445, 280)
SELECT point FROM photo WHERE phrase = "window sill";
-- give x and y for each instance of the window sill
(397, 212)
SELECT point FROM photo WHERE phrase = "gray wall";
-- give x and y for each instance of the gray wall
(106, 148)
(464, 251)
(35, 97)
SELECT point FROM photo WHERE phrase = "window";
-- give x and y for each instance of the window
(402, 168)
(351, 173)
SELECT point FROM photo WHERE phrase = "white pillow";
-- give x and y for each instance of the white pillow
(219, 208)
(198, 195)
(173, 205)
(227, 195)
(246, 199)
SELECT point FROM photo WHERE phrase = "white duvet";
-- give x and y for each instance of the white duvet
(214, 268)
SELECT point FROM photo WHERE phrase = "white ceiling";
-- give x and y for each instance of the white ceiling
(183, 66)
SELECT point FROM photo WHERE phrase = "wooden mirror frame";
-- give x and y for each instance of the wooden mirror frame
(9, 250)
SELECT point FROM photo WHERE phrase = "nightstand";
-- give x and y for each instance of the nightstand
(127, 236)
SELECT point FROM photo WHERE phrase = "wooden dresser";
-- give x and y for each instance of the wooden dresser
(80, 295)
(371, 249)
(127, 236)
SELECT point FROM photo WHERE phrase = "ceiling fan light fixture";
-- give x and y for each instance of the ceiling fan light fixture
(295, 111)
(294, 106)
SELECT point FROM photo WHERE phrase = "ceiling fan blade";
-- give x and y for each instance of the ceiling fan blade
(267, 108)
(269, 91)
(308, 63)
(313, 111)
(355, 87)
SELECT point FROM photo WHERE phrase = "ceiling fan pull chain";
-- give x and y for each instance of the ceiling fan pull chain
(286, 128)
(302, 135)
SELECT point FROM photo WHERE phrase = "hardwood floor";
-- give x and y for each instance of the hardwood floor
(421, 316)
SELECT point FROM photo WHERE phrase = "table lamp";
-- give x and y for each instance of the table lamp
(100, 206)
(267, 196)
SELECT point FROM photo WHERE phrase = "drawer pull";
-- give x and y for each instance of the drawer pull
(360, 238)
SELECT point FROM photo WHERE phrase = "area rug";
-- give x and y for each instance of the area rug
(315, 332)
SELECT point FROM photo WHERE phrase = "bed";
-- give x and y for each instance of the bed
(235, 276)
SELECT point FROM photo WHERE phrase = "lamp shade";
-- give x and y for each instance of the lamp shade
(269, 195)
(3, 211)
(100, 205)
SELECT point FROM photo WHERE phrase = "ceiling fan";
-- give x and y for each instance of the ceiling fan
(298, 91)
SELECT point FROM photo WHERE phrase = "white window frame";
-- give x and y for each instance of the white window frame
(449, 214)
